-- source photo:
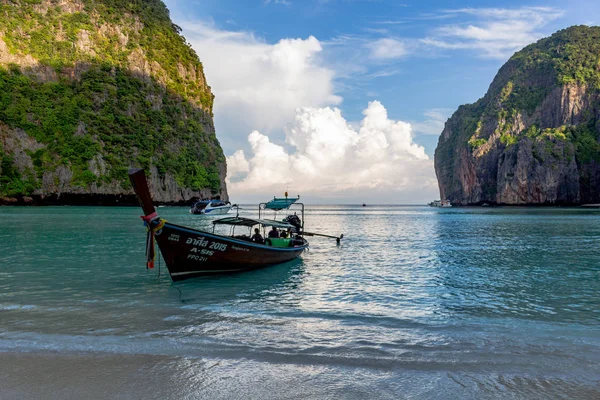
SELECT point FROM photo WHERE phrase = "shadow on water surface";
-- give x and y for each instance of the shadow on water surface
(243, 286)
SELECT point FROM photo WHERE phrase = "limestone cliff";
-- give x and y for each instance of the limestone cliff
(90, 88)
(534, 138)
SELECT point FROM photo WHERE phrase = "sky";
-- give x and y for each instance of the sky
(343, 101)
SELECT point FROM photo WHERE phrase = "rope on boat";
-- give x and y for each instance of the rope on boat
(180, 294)
(154, 224)
(158, 276)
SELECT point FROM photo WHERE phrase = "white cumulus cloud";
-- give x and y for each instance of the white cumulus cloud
(331, 159)
(259, 85)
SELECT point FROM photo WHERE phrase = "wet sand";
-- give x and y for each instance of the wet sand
(59, 376)
(26, 376)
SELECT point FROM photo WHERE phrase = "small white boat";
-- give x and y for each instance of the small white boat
(440, 203)
(211, 207)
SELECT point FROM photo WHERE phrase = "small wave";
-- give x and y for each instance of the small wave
(174, 318)
(12, 307)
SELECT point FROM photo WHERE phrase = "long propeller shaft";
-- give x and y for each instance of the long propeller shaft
(323, 235)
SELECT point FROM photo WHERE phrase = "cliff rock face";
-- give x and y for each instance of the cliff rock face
(534, 138)
(91, 88)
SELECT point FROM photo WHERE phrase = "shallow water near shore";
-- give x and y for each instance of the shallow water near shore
(415, 303)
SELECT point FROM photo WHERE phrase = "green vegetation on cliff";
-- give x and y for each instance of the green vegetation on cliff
(102, 85)
(105, 32)
(570, 56)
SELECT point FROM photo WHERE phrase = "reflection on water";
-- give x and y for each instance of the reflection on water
(419, 301)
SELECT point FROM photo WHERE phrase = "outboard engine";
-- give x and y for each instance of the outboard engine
(295, 221)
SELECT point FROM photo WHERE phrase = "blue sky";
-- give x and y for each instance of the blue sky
(419, 60)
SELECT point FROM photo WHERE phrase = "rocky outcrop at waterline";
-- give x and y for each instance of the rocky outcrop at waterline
(534, 138)
(91, 88)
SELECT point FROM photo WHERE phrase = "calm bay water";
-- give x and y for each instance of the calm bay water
(415, 303)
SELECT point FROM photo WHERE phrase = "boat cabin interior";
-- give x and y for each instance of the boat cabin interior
(280, 234)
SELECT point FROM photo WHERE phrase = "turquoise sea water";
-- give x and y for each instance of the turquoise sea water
(415, 303)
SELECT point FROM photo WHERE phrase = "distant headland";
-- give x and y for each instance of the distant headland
(534, 138)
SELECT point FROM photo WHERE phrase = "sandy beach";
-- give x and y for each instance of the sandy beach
(62, 376)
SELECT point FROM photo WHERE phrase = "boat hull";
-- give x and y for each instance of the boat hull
(190, 253)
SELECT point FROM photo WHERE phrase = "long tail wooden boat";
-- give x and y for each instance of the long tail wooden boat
(190, 253)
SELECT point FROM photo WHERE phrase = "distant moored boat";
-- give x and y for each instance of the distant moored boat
(440, 203)
(212, 207)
